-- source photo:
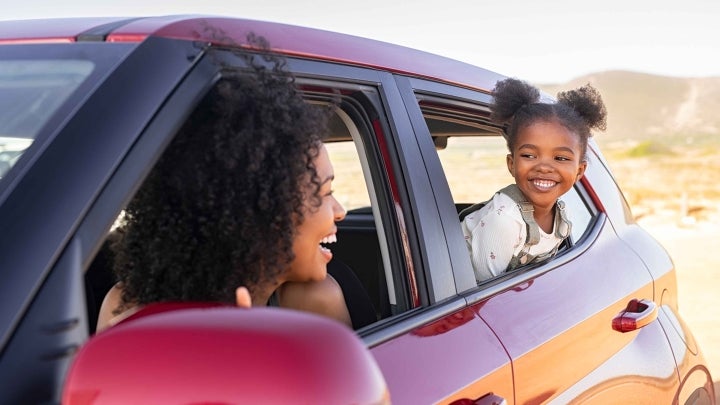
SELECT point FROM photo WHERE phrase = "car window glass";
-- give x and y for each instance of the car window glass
(30, 92)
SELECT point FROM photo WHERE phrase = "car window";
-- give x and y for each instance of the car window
(30, 92)
(474, 167)
(364, 243)
(473, 153)
(361, 244)
(365, 237)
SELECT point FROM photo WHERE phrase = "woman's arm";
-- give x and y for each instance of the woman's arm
(321, 297)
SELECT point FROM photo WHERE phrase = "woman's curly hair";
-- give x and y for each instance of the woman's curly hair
(221, 206)
(517, 105)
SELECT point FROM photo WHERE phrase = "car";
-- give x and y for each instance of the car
(88, 105)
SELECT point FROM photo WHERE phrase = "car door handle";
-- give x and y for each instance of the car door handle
(637, 314)
(489, 399)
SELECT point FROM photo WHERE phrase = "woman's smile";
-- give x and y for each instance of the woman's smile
(324, 249)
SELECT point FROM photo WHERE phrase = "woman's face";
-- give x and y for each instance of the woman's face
(546, 162)
(318, 227)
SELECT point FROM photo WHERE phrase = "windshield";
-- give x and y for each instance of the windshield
(30, 92)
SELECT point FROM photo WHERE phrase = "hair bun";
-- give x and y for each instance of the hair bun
(588, 103)
(509, 96)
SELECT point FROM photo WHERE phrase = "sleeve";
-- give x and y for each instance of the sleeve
(492, 241)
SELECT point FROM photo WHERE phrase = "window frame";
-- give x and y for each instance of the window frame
(358, 102)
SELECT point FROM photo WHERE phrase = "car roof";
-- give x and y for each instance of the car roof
(287, 39)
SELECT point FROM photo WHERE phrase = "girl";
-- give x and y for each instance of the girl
(525, 222)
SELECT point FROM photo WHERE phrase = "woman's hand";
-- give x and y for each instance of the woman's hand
(242, 297)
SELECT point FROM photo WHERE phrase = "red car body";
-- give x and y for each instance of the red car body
(598, 324)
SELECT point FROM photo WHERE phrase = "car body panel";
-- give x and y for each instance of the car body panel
(59, 30)
(442, 374)
(561, 318)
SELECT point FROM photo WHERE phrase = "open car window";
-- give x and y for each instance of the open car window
(367, 237)
(472, 151)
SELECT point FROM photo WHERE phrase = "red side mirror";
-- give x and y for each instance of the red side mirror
(224, 355)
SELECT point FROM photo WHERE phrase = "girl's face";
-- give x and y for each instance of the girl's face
(318, 226)
(546, 162)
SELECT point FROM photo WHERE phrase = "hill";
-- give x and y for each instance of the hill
(671, 111)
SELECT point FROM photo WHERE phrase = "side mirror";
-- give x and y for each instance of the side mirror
(200, 353)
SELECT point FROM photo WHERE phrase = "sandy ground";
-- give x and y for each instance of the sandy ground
(695, 249)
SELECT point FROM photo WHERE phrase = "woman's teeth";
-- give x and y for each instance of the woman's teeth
(326, 241)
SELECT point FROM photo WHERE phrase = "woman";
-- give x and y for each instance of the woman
(237, 207)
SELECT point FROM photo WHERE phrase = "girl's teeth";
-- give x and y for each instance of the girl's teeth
(544, 183)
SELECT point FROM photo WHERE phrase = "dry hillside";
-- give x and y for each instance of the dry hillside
(669, 110)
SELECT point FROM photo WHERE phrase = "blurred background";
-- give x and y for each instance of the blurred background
(654, 61)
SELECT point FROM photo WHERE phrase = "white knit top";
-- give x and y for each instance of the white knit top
(495, 233)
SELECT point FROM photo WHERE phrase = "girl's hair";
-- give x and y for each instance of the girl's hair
(221, 206)
(516, 105)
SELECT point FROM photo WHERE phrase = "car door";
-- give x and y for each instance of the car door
(556, 320)
(557, 324)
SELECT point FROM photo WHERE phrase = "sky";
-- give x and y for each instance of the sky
(545, 42)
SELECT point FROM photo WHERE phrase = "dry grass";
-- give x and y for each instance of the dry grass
(684, 181)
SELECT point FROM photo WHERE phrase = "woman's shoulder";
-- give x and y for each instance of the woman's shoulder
(110, 311)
